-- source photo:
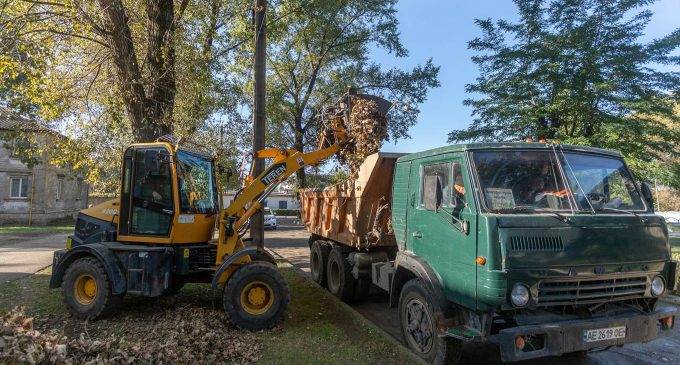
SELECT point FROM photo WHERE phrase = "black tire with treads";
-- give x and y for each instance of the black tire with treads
(255, 271)
(339, 275)
(104, 302)
(440, 349)
(318, 260)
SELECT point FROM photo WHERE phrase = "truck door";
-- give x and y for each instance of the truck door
(440, 202)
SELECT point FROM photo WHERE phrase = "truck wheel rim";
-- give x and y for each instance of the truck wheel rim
(85, 289)
(257, 297)
(418, 326)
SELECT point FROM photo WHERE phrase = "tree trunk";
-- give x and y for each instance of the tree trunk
(149, 109)
(299, 145)
(160, 61)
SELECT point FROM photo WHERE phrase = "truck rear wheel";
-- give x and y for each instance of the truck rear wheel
(87, 290)
(417, 309)
(255, 296)
(339, 275)
(318, 260)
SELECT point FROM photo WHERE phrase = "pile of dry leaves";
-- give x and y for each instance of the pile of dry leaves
(367, 129)
(188, 335)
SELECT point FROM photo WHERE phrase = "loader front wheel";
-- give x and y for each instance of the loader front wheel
(87, 290)
(256, 296)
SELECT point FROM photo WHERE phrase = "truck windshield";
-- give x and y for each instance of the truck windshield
(601, 183)
(196, 184)
(514, 181)
(532, 181)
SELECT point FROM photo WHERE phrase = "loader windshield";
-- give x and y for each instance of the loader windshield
(198, 192)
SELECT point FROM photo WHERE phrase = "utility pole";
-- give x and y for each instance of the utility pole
(260, 10)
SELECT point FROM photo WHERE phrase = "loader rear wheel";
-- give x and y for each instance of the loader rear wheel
(339, 275)
(318, 259)
(255, 296)
(87, 290)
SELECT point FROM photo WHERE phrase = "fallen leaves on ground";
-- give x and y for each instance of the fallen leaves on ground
(163, 336)
(367, 129)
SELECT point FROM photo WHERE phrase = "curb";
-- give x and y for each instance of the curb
(354, 313)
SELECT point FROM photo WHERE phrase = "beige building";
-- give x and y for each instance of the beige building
(35, 193)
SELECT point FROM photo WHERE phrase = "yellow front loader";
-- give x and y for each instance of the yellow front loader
(159, 234)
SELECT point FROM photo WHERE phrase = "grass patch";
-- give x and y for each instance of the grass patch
(44, 229)
(316, 329)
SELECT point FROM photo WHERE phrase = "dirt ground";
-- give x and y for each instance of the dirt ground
(290, 242)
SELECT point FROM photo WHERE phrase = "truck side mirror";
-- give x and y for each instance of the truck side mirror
(432, 192)
(647, 194)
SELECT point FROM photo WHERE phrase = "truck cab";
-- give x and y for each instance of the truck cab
(543, 249)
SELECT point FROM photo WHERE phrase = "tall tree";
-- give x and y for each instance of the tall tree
(576, 70)
(317, 49)
(111, 72)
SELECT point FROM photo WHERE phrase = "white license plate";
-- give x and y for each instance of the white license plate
(604, 334)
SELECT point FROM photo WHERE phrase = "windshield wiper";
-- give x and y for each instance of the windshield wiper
(643, 220)
(555, 214)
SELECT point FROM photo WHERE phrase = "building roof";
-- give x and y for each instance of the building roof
(11, 121)
(503, 145)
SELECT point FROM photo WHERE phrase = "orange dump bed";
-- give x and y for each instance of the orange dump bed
(355, 213)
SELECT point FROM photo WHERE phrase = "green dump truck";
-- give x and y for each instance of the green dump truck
(542, 249)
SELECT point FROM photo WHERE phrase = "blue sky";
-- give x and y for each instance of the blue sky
(441, 29)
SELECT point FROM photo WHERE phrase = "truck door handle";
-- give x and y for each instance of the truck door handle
(417, 234)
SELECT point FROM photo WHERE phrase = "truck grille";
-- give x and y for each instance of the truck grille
(536, 243)
(590, 290)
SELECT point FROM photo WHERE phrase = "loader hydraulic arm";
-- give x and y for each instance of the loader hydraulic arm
(234, 218)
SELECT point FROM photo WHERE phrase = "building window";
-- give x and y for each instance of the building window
(79, 188)
(283, 204)
(60, 188)
(18, 187)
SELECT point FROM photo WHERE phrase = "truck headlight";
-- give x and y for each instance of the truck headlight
(520, 295)
(658, 286)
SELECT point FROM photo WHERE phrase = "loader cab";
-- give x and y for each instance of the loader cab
(168, 195)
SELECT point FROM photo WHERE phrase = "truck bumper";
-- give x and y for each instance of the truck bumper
(553, 339)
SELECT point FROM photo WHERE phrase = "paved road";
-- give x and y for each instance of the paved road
(23, 254)
(291, 243)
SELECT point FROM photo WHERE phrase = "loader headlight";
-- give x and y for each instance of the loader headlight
(520, 295)
(658, 286)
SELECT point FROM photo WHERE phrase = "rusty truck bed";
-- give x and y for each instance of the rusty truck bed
(354, 213)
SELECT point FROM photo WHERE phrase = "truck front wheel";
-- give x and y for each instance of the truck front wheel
(318, 259)
(87, 290)
(339, 275)
(417, 319)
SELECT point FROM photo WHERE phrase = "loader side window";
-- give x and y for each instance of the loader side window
(152, 208)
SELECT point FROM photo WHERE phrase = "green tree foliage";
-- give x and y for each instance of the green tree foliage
(576, 71)
(316, 50)
(110, 72)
